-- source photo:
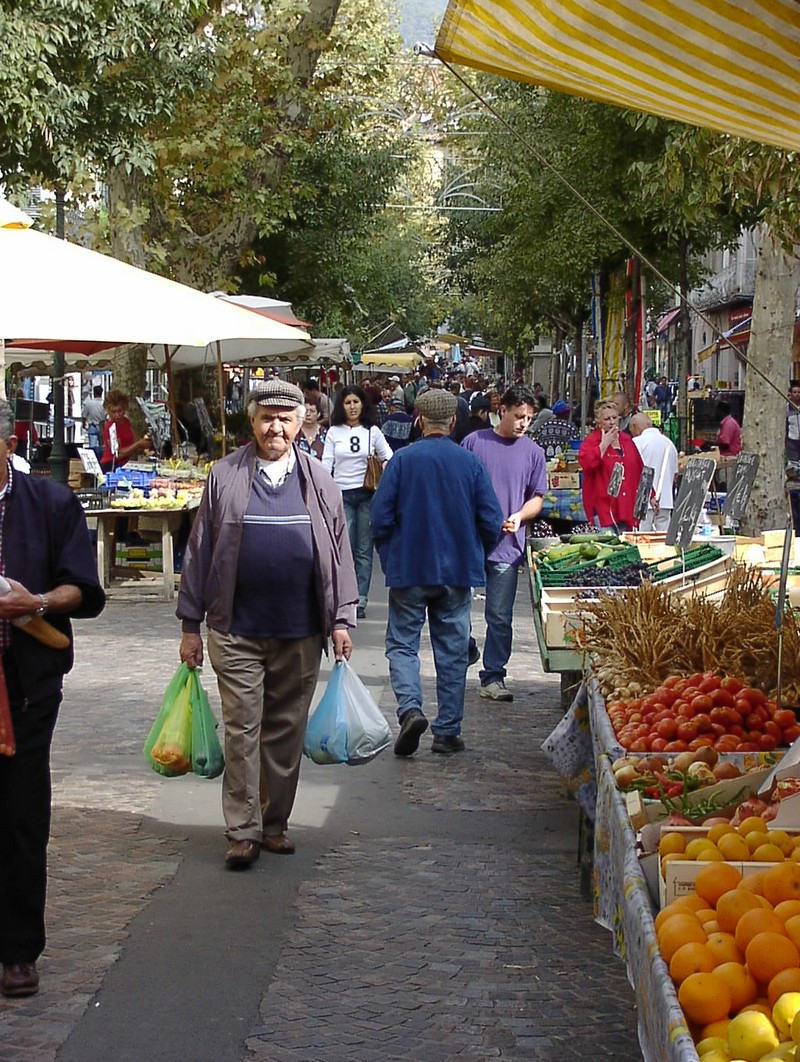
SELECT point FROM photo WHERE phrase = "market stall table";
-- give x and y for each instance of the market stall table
(167, 521)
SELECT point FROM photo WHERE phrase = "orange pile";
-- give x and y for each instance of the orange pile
(733, 944)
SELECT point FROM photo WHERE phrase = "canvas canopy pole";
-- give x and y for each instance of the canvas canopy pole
(173, 411)
(221, 392)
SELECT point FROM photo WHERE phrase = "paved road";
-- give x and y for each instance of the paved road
(431, 912)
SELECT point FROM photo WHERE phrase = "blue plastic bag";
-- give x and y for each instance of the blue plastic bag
(347, 726)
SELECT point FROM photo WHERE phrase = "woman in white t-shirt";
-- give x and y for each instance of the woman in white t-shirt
(352, 438)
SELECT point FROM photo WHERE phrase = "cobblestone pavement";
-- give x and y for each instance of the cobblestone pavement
(445, 923)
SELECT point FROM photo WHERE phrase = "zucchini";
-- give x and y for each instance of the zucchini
(604, 537)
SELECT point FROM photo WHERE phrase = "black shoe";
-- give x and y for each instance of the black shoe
(361, 612)
(412, 726)
(474, 653)
(19, 979)
(447, 743)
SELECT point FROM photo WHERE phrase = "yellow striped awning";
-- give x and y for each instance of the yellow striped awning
(729, 65)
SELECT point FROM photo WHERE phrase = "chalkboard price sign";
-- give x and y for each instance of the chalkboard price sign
(643, 493)
(689, 503)
(744, 476)
(615, 479)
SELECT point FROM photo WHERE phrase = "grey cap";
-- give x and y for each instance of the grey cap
(437, 404)
(277, 394)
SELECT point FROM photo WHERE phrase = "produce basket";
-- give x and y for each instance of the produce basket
(125, 479)
(695, 557)
(621, 558)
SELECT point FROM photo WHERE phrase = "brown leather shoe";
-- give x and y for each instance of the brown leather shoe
(242, 854)
(278, 843)
(19, 979)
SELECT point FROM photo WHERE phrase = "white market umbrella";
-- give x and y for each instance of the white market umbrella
(56, 294)
(54, 290)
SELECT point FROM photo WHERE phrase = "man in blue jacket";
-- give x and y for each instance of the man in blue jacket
(435, 518)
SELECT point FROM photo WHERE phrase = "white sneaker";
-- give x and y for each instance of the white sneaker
(496, 691)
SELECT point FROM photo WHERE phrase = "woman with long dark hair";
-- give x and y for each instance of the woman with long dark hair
(352, 439)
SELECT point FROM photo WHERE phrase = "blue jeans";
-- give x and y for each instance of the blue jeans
(501, 589)
(359, 528)
(448, 611)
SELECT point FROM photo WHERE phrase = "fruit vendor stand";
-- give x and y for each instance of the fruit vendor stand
(630, 735)
(150, 503)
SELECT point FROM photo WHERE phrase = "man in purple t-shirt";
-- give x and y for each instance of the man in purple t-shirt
(516, 467)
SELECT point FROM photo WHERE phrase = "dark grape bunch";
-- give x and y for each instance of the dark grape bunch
(629, 575)
(541, 529)
(583, 529)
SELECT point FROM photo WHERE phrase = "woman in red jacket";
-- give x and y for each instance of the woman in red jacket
(600, 451)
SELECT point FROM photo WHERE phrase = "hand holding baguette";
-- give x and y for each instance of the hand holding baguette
(32, 624)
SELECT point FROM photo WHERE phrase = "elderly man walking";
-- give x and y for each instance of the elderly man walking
(435, 518)
(269, 567)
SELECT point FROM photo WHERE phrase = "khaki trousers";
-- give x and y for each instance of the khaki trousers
(266, 686)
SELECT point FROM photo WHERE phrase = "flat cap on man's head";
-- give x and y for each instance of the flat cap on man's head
(394, 379)
(277, 394)
(438, 405)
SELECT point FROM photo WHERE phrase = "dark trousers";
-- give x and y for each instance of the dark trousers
(25, 829)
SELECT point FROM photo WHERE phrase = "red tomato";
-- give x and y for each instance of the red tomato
(642, 745)
(735, 719)
(718, 729)
(767, 742)
(791, 734)
(658, 744)
(683, 708)
(668, 729)
(727, 743)
(753, 695)
(696, 678)
(771, 727)
(722, 697)
(785, 718)
(747, 746)
(732, 685)
(702, 722)
(668, 697)
(720, 715)
(736, 728)
(700, 742)
(687, 730)
(710, 683)
(635, 717)
(671, 682)
(743, 706)
(702, 703)
(676, 746)
(616, 706)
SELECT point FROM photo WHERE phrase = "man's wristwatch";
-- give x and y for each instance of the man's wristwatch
(43, 607)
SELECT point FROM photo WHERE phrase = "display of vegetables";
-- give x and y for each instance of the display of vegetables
(676, 780)
(640, 637)
(703, 709)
